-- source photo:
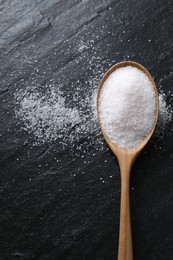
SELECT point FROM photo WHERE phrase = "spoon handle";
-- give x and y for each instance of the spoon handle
(125, 251)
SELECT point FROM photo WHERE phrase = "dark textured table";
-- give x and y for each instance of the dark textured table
(58, 201)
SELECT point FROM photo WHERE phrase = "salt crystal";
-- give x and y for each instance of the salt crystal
(165, 115)
(47, 112)
(127, 106)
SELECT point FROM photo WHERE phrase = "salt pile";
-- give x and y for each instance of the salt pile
(127, 106)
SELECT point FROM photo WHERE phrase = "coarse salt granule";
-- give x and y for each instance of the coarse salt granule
(127, 106)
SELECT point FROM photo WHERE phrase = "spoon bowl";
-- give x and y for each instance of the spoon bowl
(126, 158)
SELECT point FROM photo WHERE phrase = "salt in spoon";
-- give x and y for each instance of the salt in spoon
(126, 158)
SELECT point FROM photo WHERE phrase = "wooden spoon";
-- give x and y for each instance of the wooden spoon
(126, 158)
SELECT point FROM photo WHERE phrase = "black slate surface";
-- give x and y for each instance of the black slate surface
(49, 209)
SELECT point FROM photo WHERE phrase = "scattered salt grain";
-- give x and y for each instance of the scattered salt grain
(47, 115)
(127, 106)
(165, 115)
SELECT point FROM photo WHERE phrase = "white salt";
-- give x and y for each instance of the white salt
(165, 115)
(50, 113)
(127, 106)
(46, 116)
